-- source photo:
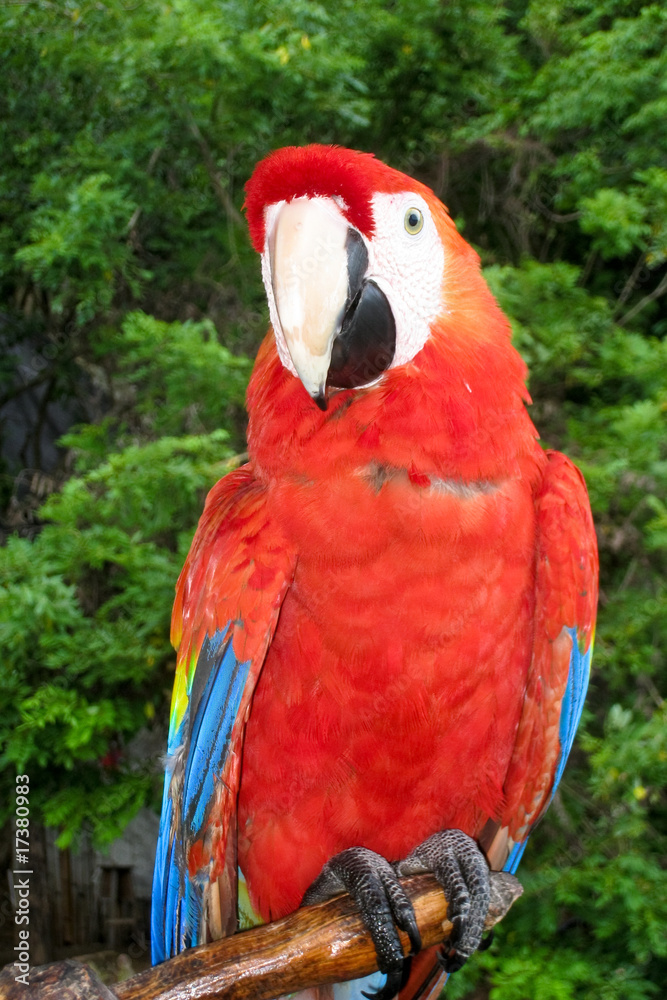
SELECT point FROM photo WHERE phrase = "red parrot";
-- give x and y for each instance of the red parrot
(385, 622)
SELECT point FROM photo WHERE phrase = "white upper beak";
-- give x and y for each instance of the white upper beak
(309, 278)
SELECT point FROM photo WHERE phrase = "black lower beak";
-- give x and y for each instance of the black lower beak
(365, 344)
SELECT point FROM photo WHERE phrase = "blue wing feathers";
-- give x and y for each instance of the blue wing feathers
(571, 709)
(515, 856)
(158, 910)
(215, 709)
(199, 749)
(573, 701)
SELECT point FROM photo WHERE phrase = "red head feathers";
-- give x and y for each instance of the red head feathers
(326, 171)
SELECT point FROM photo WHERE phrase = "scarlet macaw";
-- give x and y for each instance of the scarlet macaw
(384, 624)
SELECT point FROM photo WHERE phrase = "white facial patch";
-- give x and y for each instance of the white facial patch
(408, 268)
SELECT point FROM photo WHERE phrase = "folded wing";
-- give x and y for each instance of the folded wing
(566, 601)
(228, 600)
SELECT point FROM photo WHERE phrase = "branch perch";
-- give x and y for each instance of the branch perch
(313, 946)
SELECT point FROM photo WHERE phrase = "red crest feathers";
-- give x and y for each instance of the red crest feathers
(327, 171)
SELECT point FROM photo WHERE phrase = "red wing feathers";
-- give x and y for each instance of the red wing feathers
(566, 602)
(227, 604)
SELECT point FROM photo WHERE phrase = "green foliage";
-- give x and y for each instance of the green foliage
(153, 358)
(127, 281)
(77, 248)
(615, 220)
(84, 625)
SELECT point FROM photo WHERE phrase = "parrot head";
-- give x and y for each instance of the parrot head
(355, 259)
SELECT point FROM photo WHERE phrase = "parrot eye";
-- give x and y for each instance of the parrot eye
(413, 221)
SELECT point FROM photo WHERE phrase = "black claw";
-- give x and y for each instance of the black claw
(382, 902)
(487, 941)
(462, 870)
(394, 984)
(403, 913)
(450, 960)
(373, 883)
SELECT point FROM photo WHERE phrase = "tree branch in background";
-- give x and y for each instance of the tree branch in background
(628, 288)
(657, 292)
(555, 216)
(132, 224)
(221, 191)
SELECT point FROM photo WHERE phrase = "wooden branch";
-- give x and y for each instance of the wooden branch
(311, 947)
(68, 980)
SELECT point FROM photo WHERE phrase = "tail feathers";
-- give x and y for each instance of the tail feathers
(352, 990)
(178, 901)
(427, 977)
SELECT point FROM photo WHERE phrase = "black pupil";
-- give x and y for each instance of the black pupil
(413, 220)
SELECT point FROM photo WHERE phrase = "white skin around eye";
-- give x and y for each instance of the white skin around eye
(408, 268)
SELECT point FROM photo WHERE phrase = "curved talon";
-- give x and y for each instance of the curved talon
(487, 941)
(383, 905)
(463, 872)
(451, 961)
(394, 984)
(459, 866)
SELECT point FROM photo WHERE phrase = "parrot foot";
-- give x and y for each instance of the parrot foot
(462, 870)
(374, 886)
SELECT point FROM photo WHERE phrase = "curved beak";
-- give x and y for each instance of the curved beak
(316, 266)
